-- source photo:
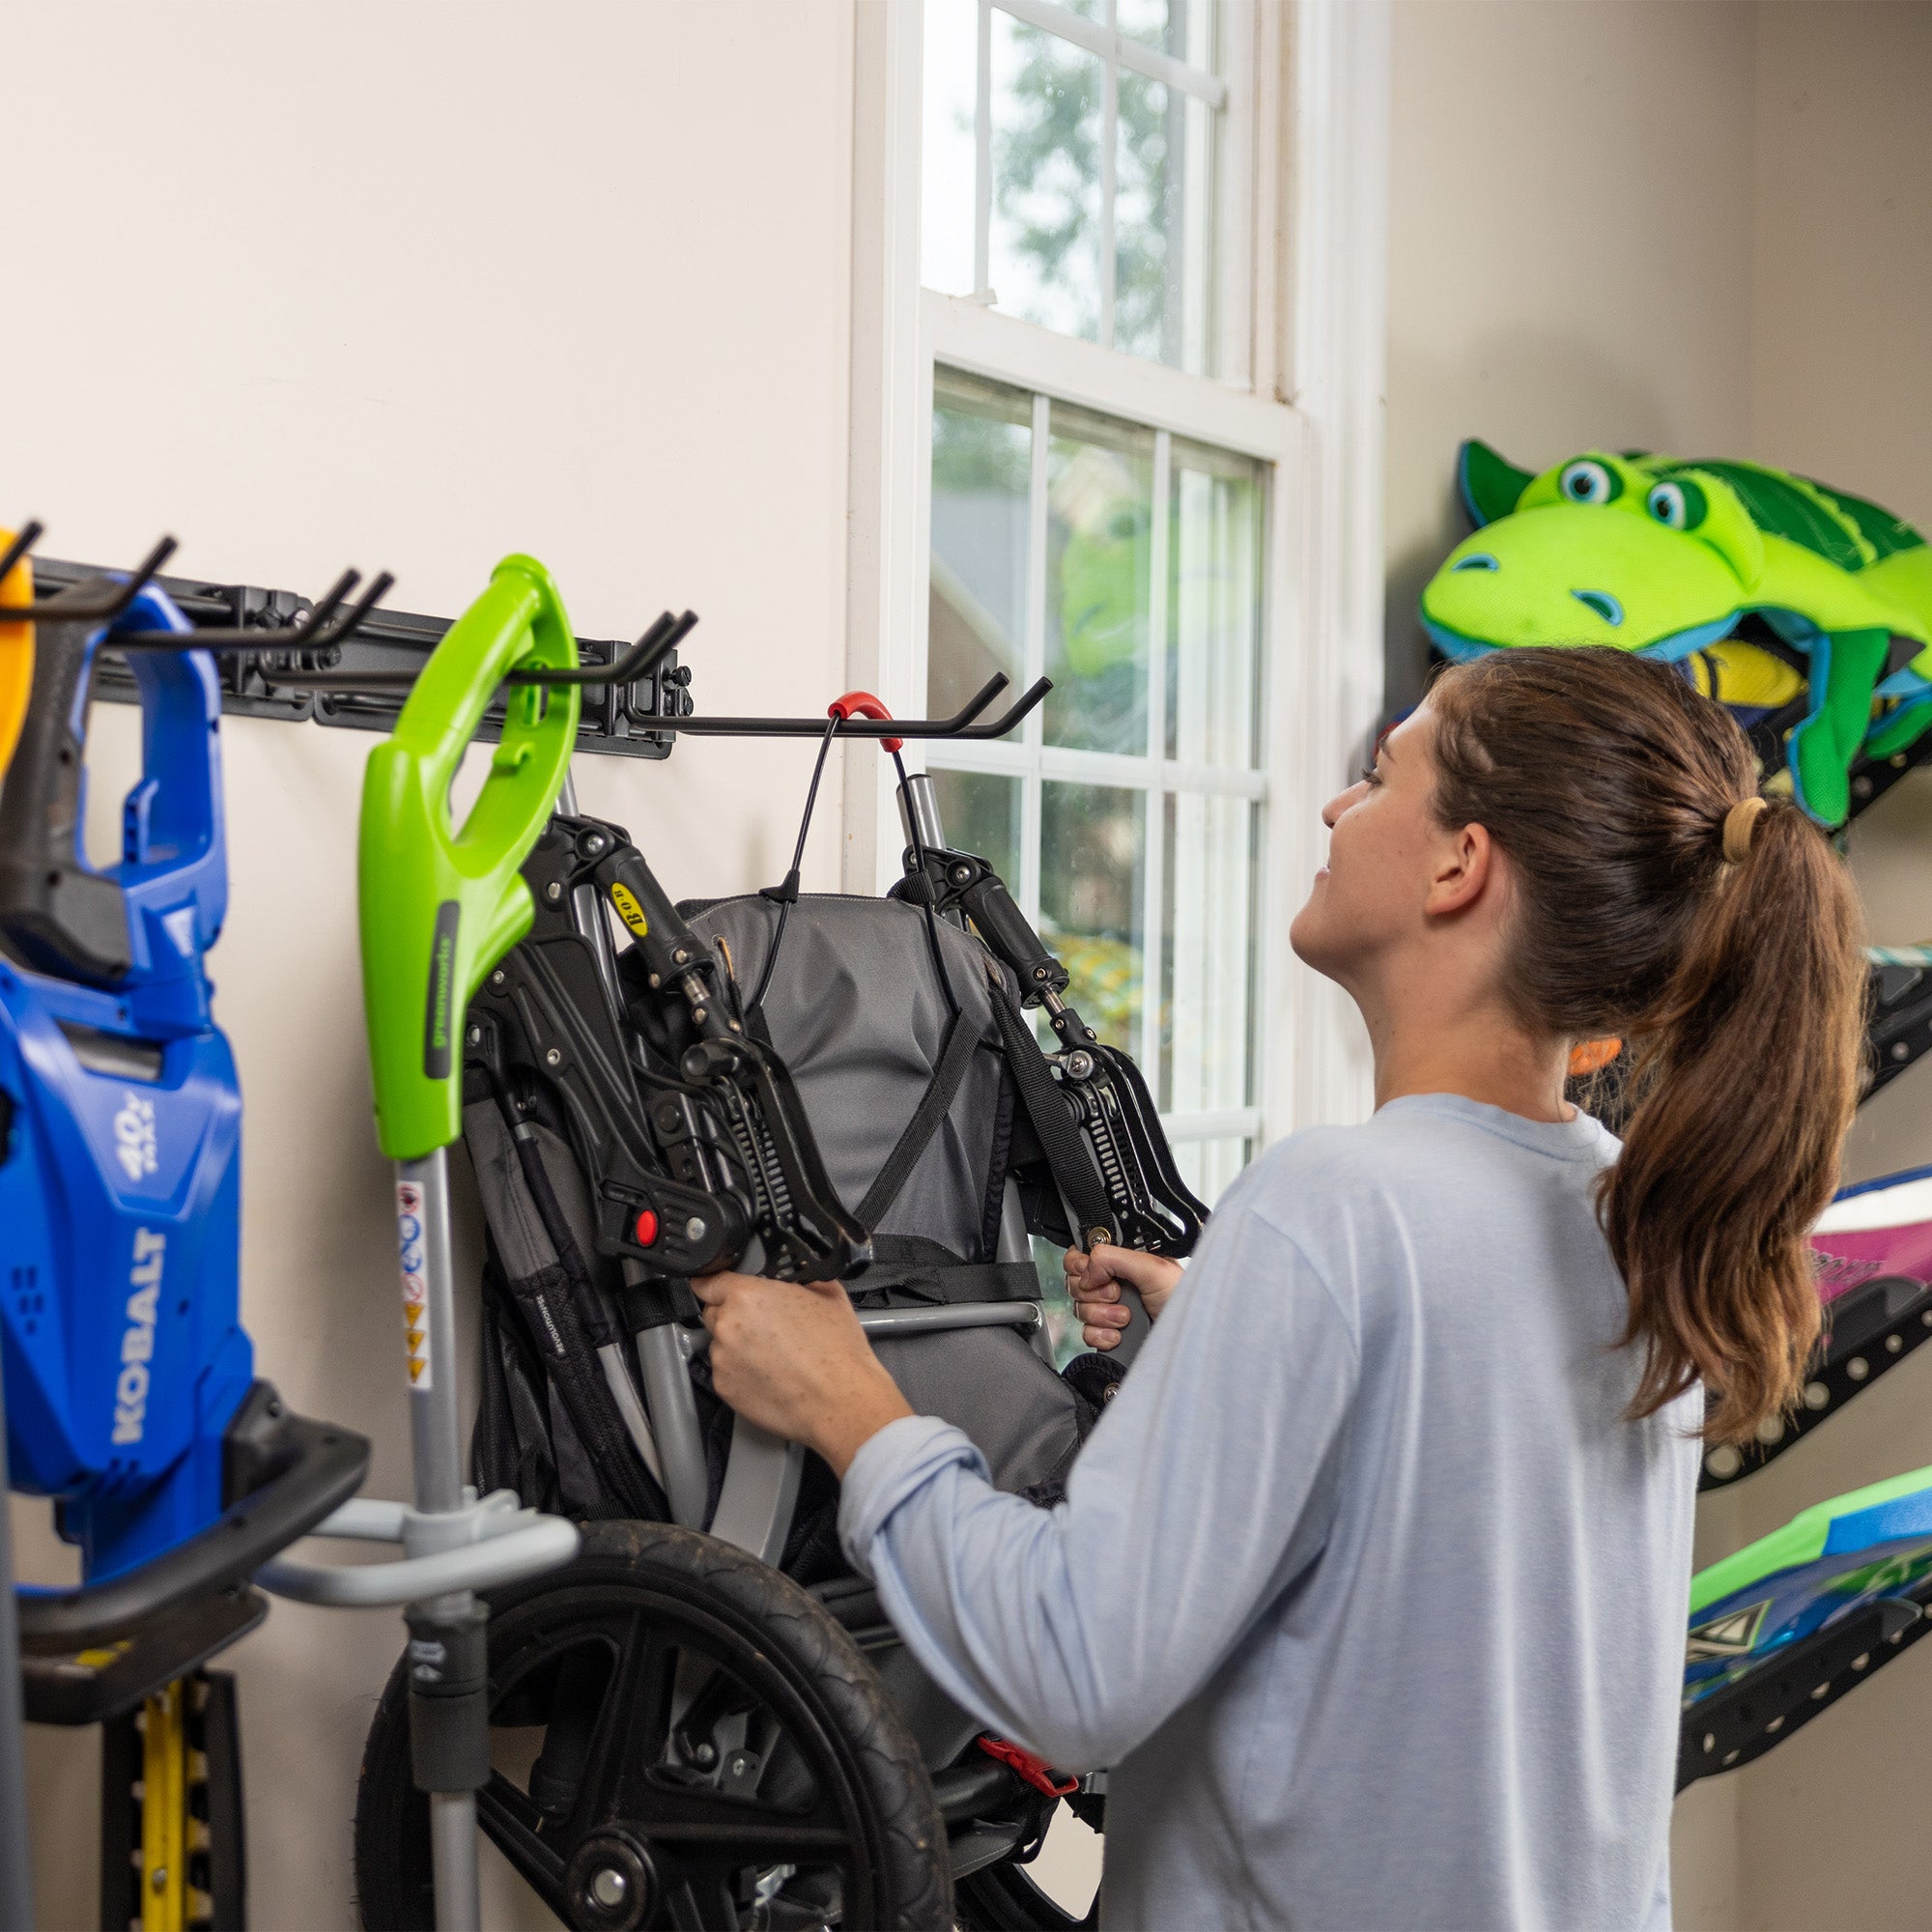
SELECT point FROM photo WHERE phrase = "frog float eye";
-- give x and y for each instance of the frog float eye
(1585, 481)
(1680, 506)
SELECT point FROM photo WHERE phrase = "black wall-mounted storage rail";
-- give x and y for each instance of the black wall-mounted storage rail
(615, 719)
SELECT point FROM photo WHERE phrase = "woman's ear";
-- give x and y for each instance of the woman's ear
(1464, 871)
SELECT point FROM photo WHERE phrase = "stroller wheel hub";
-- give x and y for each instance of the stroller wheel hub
(611, 1881)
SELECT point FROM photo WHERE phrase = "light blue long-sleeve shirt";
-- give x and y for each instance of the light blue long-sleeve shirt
(1364, 1587)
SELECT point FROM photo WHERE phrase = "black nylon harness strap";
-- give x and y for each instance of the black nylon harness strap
(552, 1303)
(962, 1038)
(1066, 1154)
(946, 1282)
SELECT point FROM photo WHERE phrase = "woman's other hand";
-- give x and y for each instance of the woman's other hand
(1093, 1282)
(791, 1358)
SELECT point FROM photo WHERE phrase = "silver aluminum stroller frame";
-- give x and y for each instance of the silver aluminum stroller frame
(766, 1681)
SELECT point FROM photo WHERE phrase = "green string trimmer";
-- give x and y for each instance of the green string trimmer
(439, 908)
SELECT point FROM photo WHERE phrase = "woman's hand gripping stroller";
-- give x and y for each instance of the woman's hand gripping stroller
(1093, 1282)
(791, 1358)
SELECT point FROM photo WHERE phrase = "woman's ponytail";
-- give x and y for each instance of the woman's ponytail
(1659, 898)
(1747, 1076)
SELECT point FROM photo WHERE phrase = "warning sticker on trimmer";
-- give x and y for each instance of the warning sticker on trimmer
(415, 1283)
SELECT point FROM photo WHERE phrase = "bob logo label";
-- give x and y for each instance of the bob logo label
(630, 911)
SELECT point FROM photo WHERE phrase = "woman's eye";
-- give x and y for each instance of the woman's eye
(1370, 775)
(1587, 482)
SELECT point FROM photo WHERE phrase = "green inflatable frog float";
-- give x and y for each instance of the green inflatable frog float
(1773, 592)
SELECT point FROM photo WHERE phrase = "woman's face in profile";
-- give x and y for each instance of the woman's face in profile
(1382, 836)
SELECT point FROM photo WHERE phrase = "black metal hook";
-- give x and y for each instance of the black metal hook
(318, 632)
(98, 601)
(317, 635)
(30, 534)
(642, 657)
(1030, 699)
(959, 725)
(639, 662)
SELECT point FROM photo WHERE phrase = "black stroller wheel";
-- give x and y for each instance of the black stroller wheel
(680, 1737)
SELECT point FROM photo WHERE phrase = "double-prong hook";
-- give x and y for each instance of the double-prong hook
(100, 600)
(29, 535)
(960, 724)
(318, 632)
(642, 657)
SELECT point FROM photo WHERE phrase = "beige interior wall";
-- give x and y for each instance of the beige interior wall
(1830, 1830)
(1703, 227)
(1570, 248)
(1556, 283)
(435, 286)
(415, 286)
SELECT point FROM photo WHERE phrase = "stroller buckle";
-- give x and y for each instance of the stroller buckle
(1034, 1770)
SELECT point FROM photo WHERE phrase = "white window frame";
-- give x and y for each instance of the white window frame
(1315, 325)
(1234, 214)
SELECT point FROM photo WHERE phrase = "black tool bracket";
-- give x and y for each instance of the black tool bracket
(1873, 778)
(1868, 1330)
(621, 719)
(1791, 1685)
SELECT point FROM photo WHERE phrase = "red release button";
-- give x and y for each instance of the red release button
(647, 1228)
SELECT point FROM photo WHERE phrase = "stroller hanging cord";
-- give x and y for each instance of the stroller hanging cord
(786, 892)
(861, 704)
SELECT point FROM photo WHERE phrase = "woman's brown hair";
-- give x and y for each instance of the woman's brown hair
(1607, 781)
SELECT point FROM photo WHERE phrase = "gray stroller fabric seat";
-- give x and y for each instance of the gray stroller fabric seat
(916, 1115)
(854, 1009)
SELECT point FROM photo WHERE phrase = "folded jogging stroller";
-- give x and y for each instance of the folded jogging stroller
(717, 1726)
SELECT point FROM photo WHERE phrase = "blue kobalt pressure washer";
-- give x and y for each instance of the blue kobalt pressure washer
(129, 1386)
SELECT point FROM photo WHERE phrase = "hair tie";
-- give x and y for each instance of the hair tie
(1740, 823)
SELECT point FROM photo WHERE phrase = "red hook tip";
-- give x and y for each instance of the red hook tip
(863, 705)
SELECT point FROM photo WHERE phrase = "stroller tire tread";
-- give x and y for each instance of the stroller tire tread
(775, 1619)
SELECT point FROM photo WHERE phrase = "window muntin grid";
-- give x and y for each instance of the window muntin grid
(1073, 158)
(1127, 562)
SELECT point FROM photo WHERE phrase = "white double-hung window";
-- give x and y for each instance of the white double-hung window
(1082, 168)
(1082, 448)
(1126, 564)
(1082, 172)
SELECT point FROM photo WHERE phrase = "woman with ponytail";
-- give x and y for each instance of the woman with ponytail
(1663, 901)
(1370, 1587)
